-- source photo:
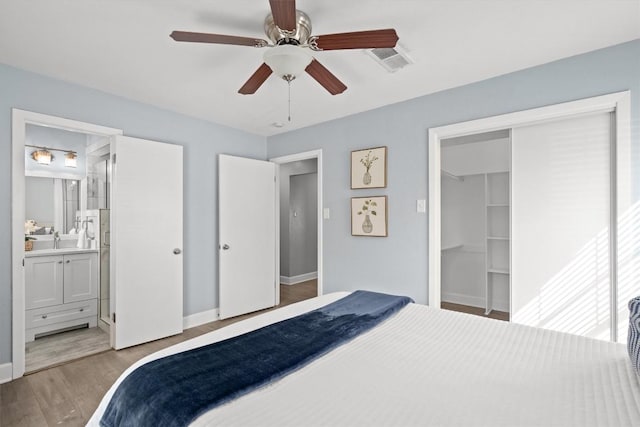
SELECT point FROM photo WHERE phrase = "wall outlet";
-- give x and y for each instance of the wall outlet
(421, 206)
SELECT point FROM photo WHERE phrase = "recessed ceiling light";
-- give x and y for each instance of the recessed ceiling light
(277, 124)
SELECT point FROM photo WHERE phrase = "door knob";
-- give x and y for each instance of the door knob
(177, 251)
(225, 247)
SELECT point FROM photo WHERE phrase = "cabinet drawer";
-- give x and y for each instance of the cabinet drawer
(61, 313)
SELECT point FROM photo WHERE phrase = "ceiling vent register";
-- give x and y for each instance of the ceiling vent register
(392, 59)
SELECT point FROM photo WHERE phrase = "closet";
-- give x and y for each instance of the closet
(527, 224)
(476, 221)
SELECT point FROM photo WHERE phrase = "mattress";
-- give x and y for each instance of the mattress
(427, 366)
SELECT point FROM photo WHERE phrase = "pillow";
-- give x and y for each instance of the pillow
(633, 341)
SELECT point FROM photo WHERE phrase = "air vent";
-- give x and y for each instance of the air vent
(392, 59)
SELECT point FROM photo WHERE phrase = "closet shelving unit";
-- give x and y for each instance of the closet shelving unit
(498, 237)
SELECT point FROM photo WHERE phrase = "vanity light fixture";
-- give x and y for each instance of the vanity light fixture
(71, 159)
(44, 157)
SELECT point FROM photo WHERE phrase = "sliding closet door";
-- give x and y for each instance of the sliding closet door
(561, 258)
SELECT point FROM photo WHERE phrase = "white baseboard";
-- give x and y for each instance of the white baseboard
(501, 305)
(6, 373)
(284, 280)
(463, 299)
(200, 318)
(473, 301)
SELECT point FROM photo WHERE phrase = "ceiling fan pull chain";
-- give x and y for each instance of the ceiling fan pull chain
(289, 83)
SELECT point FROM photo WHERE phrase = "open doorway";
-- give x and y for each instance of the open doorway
(65, 200)
(56, 279)
(300, 227)
(475, 244)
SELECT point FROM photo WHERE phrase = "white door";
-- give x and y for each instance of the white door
(561, 198)
(247, 229)
(146, 241)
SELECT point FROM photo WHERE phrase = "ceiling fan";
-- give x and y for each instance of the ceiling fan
(289, 31)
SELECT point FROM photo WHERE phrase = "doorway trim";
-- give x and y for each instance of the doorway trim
(620, 102)
(315, 154)
(19, 121)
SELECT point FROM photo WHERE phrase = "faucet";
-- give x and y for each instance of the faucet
(56, 240)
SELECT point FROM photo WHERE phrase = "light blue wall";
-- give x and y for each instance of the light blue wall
(202, 142)
(398, 263)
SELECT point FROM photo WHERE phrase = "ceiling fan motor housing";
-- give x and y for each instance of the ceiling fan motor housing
(297, 37)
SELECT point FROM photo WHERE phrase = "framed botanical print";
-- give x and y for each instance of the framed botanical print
(369, 216)
(369, 168)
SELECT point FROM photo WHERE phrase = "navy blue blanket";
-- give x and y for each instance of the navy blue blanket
(175, 390)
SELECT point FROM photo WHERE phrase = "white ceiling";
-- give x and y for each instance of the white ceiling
(123, 47)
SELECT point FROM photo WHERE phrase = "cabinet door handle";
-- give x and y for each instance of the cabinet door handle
(59, 262)
(82, 309)
(44, 316)
(68, 261)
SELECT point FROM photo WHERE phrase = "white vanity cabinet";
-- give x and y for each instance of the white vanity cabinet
(61, 290)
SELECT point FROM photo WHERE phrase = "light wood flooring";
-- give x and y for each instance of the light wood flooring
(55, 349)
(68, 394)
(499, 315)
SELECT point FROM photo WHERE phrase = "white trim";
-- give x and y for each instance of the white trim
(315, 154)
(19, 120)
(620, 102)
(462, 299)
(292, 280)
(197, 319)
(61, 175)
(6, 371)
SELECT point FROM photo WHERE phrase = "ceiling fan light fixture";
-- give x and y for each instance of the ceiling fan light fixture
(287, 61)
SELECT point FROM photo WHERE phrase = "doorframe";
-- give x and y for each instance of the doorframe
(314, 154)
(619, 102)
(19, 121)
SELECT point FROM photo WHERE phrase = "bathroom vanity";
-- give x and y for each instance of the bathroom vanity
(61, 290)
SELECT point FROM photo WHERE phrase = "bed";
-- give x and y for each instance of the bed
(431, 367)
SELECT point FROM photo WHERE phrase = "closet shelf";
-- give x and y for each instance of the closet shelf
(450, 175)
(451, 247)
(497, 238)
(498, 205)
(498, 270)
(463, 248)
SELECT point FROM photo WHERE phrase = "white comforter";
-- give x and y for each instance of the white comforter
(427, 366)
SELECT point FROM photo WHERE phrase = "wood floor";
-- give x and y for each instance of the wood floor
(60, 348)
(499, 315)
(69, 394)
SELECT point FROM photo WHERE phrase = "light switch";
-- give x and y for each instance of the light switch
(421, 206)
(326, 214)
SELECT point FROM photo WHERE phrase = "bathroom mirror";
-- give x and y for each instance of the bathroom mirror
(52, 202)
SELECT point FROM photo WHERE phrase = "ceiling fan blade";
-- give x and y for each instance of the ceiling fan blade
(356, 40)
(186, 36)
(284, 14)
(326, 79)
(256, 80)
